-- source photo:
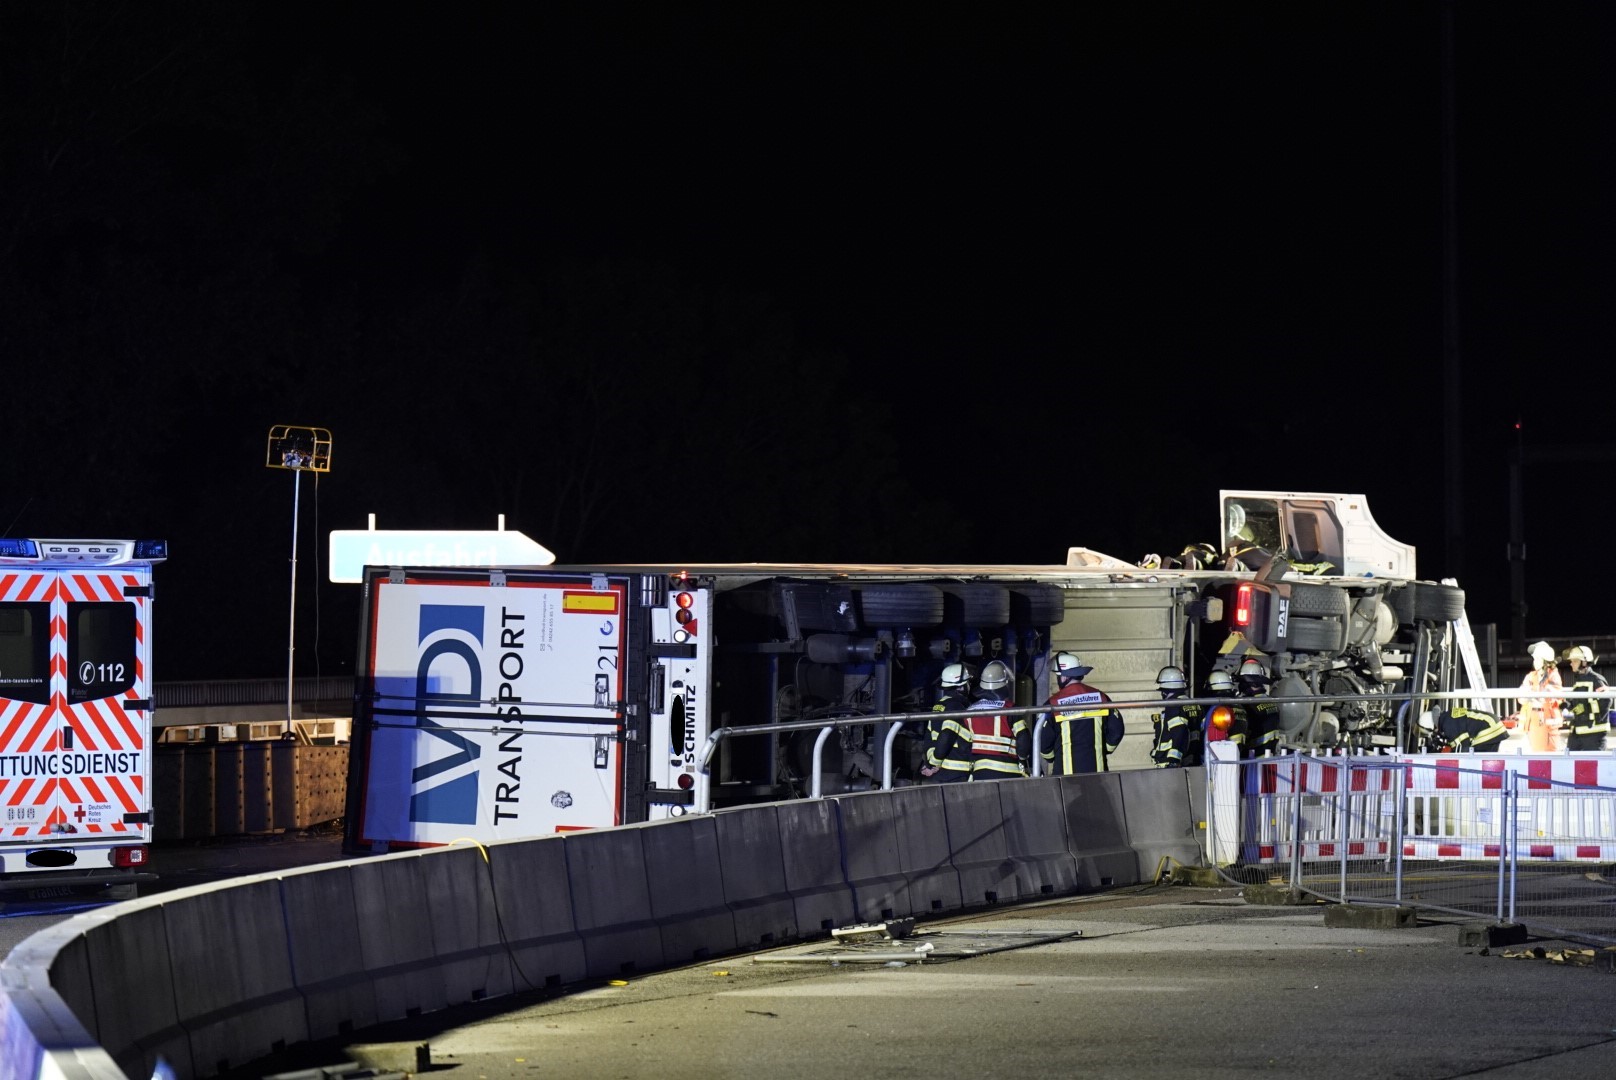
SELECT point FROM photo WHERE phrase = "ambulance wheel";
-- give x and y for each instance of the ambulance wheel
(900, 605)
(1037, 605)
(975, 603)
(1314, 635)
(1319, 600)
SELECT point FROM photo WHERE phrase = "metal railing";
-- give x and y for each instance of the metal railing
(1496, 837)
(270, 691)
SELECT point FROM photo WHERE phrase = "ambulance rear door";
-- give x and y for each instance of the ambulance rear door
(75, 706)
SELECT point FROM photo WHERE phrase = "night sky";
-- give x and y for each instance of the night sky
(738, 283)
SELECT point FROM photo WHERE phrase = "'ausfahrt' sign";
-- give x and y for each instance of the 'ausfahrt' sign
(354, 549)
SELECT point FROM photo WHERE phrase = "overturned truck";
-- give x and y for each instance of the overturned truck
(509, 702)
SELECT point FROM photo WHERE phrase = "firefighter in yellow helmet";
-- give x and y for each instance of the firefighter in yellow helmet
(1586, 720)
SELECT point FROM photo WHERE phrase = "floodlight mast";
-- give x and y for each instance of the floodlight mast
(300, 449)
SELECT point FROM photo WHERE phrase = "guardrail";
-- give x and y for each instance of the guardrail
(825, 726)
(202, 693)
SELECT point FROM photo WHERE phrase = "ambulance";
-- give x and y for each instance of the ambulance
(75, 716)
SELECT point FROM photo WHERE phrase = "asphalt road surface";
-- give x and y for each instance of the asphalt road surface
(1163, 981)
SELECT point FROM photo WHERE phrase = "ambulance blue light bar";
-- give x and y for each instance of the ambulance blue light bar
(95, 552)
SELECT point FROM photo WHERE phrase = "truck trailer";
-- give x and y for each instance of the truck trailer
(495, 703)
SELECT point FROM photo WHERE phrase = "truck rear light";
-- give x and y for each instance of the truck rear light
(686, 781)
(1218, 723)
(1242, 605)
(128, 856)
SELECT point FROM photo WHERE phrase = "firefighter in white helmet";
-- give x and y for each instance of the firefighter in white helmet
(1001, 744)
(1227, 721)
(1540, 716)
(948, 749)
(1588, 719)
(1262, 715)
(1171, 748)
(1082, 732)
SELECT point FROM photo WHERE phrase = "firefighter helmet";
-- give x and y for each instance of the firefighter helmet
(1580, 652)
(1251, 668)
(955, 676)
(1541, 653)
(1170, 678)
(1220, 682)
(995, 676)
(1068, 666)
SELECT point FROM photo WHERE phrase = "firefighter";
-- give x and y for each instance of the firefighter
(1221, 684)
(1462, 728)
(1081, 734)
(1541, 716)
(999, 743)
(948, 748)
(1588, 719)
(1171, 749)
(1262, 715)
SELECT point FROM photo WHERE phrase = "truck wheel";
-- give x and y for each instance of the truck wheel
(1424, 602)
(1305, 634)
(813, 605)
(1037, 605)
(1318, 600)
(976, 603)
(900, 605)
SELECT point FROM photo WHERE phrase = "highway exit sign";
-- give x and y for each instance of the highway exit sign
(354, 549)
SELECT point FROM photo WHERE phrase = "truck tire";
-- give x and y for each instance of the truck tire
(1319, 600)
(900, 605)
(1306, 634)
(1037, 605)
(813, 605)
(976, 603)
(1421, 601)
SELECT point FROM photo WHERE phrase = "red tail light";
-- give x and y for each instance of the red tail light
(1242, 605)
(128, 856)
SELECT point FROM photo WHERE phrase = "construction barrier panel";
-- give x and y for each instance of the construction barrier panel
(611, 901)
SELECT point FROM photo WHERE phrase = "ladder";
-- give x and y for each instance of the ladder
(1466, 640)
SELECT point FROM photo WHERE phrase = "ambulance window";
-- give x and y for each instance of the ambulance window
(25, 652)
(100, 650)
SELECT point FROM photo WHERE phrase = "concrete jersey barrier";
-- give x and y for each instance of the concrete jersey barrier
(213, 977)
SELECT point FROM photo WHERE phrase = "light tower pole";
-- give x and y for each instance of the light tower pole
(300, 449)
